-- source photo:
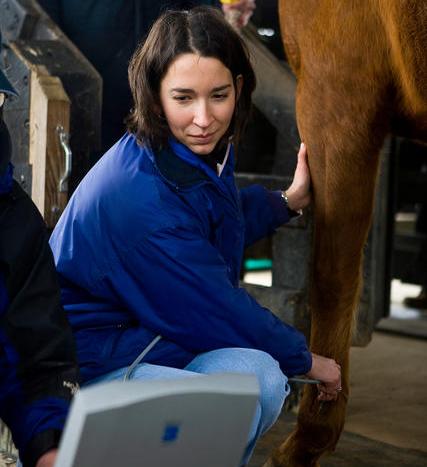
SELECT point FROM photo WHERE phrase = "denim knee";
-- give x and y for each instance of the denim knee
(272, 382)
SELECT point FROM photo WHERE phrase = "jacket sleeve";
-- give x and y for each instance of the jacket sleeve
(263, 210)
(41, 370)
(177, 285)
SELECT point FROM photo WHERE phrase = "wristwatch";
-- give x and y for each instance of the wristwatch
(292, 213)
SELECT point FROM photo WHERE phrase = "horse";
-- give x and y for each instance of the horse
(361, 69)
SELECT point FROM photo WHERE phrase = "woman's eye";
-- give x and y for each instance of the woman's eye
(182, 98)
(220, 96)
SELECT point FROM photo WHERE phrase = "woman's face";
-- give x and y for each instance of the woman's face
(198, 99)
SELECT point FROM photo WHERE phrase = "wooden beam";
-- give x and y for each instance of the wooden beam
(49, 111)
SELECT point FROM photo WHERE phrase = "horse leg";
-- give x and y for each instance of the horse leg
(343, 137)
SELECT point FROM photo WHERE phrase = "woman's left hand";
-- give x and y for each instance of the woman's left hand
(298, 193)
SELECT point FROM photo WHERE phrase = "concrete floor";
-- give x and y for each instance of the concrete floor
(387, 412)
(389, 391)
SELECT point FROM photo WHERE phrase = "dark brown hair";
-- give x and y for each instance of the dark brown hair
(203, 31)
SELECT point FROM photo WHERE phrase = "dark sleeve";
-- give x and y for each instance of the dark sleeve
(177, 285)
(37, 340)
(263, 210)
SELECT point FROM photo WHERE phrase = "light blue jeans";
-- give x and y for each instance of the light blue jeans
(273, 383)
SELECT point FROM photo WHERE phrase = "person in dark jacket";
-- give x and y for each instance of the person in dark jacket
(39, 371)
(150, 245)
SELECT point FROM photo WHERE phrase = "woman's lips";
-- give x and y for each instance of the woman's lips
(203, 138)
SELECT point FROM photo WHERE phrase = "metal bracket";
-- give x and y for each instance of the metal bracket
(64, 141)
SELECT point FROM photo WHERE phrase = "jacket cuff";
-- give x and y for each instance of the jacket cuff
(283, 212)
(279, 207)
(40, 444)
(307, 356)
(297, 364)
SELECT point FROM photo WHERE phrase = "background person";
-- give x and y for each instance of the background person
(38, 366)
(151, 242)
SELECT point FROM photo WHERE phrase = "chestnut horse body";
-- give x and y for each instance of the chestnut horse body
(361, 68)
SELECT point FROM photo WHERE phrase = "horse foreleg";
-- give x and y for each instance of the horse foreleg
(343, 158)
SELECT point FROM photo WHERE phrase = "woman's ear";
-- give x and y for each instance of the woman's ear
(239, 86)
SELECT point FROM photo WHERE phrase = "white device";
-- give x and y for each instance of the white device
(201, 421)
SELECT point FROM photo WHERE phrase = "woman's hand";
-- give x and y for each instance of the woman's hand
(298, 193)
(47, 459)
(328, 371)
(244, 7)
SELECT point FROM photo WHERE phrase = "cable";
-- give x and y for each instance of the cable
(304, 381)
(138, 359)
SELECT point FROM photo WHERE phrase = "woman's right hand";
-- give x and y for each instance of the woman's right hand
(298, 194)
(328, 372)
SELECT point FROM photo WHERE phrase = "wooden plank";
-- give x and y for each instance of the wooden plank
(49, 109)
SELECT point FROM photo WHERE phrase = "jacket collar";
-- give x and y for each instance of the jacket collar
(185, 154)
(181, 166)
(178, 171)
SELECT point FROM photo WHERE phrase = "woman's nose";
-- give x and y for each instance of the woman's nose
(202, 116)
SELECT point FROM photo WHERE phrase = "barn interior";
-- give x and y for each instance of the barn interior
(386, 415)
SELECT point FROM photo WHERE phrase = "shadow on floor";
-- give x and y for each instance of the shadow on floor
(352, 450)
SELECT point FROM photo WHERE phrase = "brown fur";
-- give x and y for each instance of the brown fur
(361, 67)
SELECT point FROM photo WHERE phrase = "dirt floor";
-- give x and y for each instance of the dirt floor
(387, 413)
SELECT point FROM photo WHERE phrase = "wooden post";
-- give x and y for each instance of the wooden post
(49, 112)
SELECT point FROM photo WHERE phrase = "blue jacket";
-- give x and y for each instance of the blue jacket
(38, 367)
(152, 244)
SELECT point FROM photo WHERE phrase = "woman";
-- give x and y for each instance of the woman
(152, 240)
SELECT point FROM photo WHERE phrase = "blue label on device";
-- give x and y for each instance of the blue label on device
(171, 433)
